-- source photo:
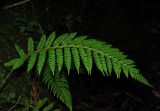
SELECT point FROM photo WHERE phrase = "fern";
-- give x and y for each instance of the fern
(58, 84)
(44, 105)
(68, 50)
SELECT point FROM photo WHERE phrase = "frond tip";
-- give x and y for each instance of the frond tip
(68, 50)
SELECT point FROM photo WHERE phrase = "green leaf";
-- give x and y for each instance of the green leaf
(42, 42)
(59, 56)
(20, 51)
(32, 61)
(39, 104)
(52, 60)
(116, 67)
(67, 58)
(83, 56)
(50, 40)
(98, 62)
(125, 70)
(89, 60)
(109, 64)
(19, 63)
(76, 58)
(78, 40)
(60, 39)
(68, 39)
(41, 61)
(30, 45)
(103, 63)
(11, 63)
(59, 86)
(61, 89)
(48, 107)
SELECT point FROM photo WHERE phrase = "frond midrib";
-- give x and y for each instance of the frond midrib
(81, 46)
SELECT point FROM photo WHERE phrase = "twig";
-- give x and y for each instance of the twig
(5, 79)
(16, 4)
(15, 104)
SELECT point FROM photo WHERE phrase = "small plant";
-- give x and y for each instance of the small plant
(45, 105)
(67, 51)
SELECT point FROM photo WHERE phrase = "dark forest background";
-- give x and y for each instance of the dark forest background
(133, 26)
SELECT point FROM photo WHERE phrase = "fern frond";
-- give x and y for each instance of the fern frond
(76, 58)
(11, 63)
(59, 57)
(52, 60)
(30, 45)
(39, 104)
(44, 105)
(49, 107)
(59, 40)
(83, 56)
(103, 64)
(58, 84)
(109, 64)
(42, 42)
(98, 62)
(41, 61)
(117, 67)
(78, 40)
(89, 60)
(19, 62)
(32, 61)
(68, 39)
(67, 58)
(67, 49)
(20, 51)
(70, 50)
(50, 40)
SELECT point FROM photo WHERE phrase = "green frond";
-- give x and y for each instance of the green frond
(83, 56)
(127, 62)
(99, 45)
(59, 86)
(89, 60)
(39, 104)
(67, 58)
(50, 40)
(76, 58)
(11, 62)
(97, 61)
(42, 42)
(32, 61)
(60, 39)
(103, 63)
(59, 57)
(49, 107)
(68, 50)
(78, 40)
(52, 60)
(68, 39)
(19, 62)
(41, 60)
(116, 67)
(30, 45)
(109, 64)
(20, 51)
(135, 74)
(44, 105)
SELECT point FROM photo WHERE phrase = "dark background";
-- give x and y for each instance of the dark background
(133, 26)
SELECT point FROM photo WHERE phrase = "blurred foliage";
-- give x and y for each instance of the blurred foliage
(26, 25)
